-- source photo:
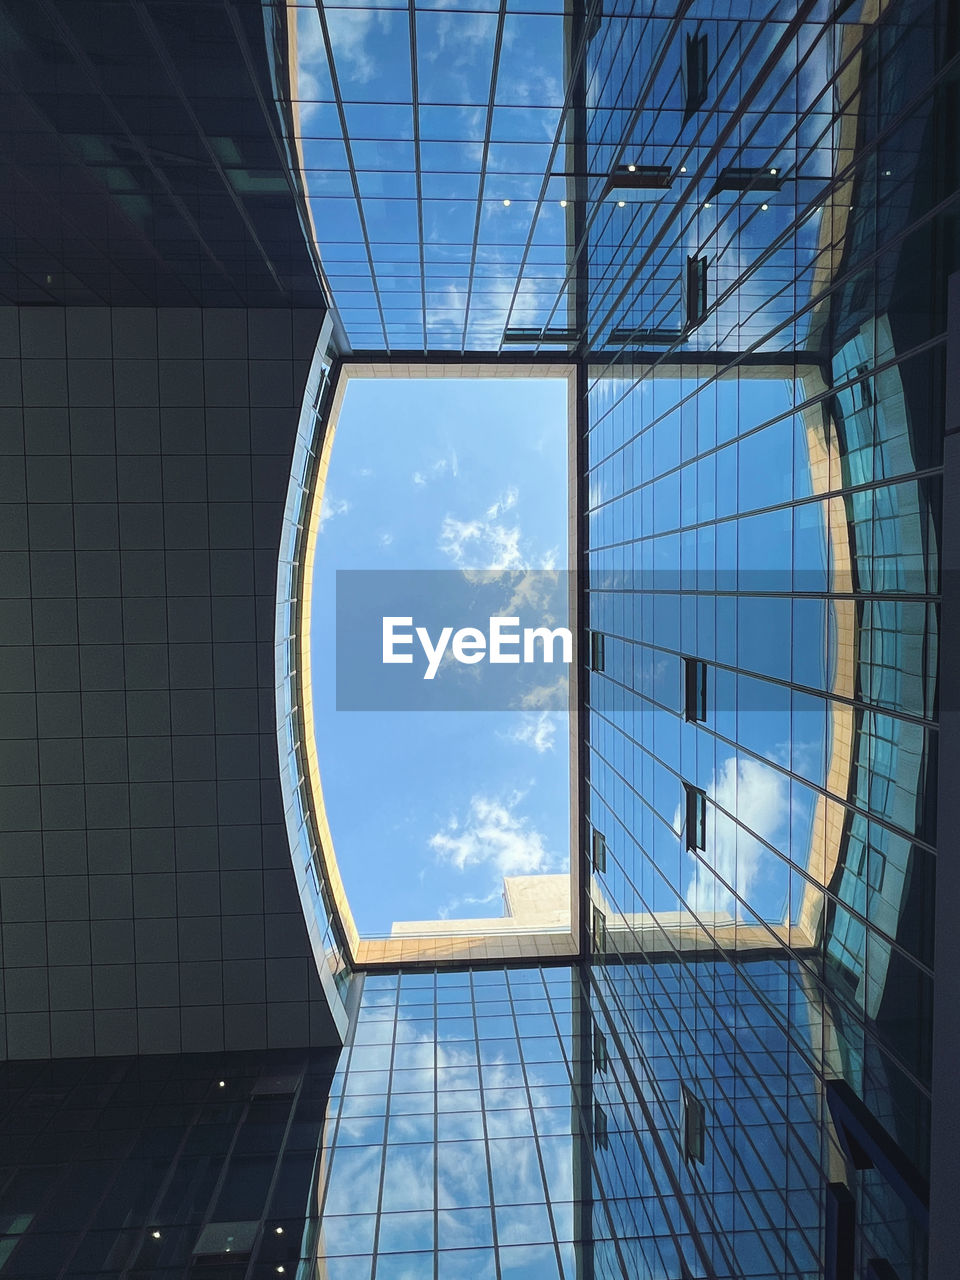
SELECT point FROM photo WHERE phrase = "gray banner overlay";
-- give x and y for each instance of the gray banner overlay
(451, 640)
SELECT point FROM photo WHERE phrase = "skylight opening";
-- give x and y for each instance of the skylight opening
(443, 771)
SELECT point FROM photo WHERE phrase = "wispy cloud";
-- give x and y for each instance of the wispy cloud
(330, 508)
(550, 696)
(355, 52)
(481, 544)
(493, 834)
(760, 798)
(442, 467)
(537, 731)
(455, 907)
(385, 539)
(505, 503)
(489, 542)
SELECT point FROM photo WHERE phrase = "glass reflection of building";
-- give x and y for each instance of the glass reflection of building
(736, 224)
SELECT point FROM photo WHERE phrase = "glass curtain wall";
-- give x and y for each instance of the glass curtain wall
(763, 487)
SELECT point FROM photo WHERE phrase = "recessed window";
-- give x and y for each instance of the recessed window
(696, 290)
(601, 1059)
(601, 1133)
(694, 1126)
(599, 852)
(596, 650)
(694, 689)
(697, 74)
(696, 817)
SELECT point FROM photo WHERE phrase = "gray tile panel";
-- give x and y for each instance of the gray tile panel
(147, 900)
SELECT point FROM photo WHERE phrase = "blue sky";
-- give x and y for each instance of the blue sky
(429, 810)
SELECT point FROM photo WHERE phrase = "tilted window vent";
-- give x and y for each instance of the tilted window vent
(601, 1058)
(547, 337)
(599, 932)
(599, 852)
(696, 295)
(737, 178)
(639, 177)
(625, 336)
(694, 689)
(696, 815)
(217, 1239)
(696, 75)
(601, 1132)
(279, 1086)
(694, 1126)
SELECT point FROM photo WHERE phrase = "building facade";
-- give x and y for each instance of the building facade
(736, 223)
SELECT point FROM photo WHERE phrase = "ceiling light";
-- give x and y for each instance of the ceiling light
(631, 168)
(773, 173)
(706, 204)
(223, 1084)
(563, 204)
(887, 173)
(505, 203)
(156, 1235)
(683, 168)
(764, 206)
(279, 1231)
(621, 203)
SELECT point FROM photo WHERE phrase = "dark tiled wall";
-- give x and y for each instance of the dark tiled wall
(146, 895)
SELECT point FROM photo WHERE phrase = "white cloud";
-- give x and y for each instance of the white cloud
(443, 466)
(349, 33)
(385, 539)
(537, 731)
(481, 544)
(552, 696)
(494, 835)
(760, 798)
(330, 508)
(455, 906)
(488, 542)
(503, 504)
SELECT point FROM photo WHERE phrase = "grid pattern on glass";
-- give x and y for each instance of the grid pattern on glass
(432, 147)
(750, 173)
(769, 506)
(717, 1138)
(460, 1128)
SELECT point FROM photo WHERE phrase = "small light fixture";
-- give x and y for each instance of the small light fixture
(683, 168)
(631, 168)
(505, 203)
(156, 1235)
(222, 1084)
(706, 204)
(764, 206)
(887, 173)
(773, 173)
(280, 1270)
(621, 203)
(563, 204)
(279, 1231)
